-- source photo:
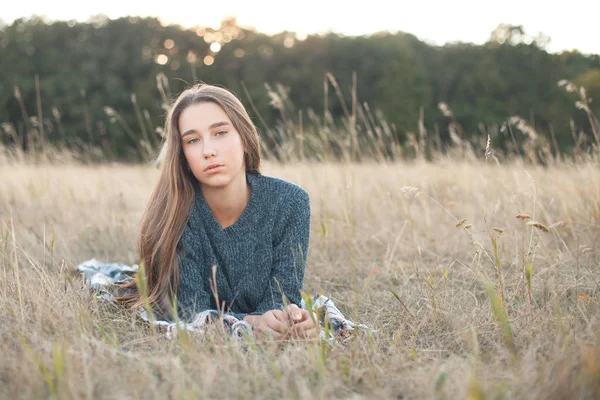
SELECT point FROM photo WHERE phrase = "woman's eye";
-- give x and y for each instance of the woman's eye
(221, 133)
(192, 140)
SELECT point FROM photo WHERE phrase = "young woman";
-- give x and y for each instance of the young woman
(214, 221)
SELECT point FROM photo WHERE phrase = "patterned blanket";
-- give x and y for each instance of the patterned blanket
(100, 277)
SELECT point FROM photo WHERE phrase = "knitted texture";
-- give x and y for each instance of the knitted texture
(258, 260)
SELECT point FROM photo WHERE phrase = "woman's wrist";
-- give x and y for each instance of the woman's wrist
(251, 319)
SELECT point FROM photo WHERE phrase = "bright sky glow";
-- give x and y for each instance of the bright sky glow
(570, 25)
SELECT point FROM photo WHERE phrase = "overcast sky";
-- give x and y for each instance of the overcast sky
(570, 25)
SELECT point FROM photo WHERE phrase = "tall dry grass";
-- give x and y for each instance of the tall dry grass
(479, 269)
(495, 307)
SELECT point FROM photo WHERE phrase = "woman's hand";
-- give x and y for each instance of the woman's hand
(304, 327)
(292, 322)
(273, 322)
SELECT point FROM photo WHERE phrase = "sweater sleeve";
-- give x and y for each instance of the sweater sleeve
(290, 251)
(192, 297)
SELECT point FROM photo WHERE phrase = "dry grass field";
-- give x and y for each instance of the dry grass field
(493, 307)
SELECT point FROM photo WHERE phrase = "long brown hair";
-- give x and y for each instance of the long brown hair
(170, 204)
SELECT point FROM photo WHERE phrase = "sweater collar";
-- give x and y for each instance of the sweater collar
(239, 225)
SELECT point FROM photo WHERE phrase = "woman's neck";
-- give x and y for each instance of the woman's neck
(228, 203)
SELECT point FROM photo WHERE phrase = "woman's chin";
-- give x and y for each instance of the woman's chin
(216, 181)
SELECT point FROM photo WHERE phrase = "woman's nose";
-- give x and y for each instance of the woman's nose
(209, 149)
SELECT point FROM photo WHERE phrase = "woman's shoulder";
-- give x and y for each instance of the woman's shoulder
(278, 189)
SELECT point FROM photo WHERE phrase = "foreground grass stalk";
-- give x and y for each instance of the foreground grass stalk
(474, 391)
(142, 286)
(16, 269)
(502, 317)
(494, 241)
(528, 276)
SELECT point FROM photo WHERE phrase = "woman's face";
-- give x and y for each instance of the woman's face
(212, 146)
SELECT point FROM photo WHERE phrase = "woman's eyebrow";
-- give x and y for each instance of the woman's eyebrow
(212, 126)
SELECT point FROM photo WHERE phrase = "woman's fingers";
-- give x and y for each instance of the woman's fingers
(270, 333)
(280, 324)
(304, 325)
(266, 331)
(306, 334)
(277, 326)
(312, 333)
(277, 320)
(306, 315)
(294, 313)
(292, 320)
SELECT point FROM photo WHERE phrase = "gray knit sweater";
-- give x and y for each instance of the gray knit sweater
(258, 259)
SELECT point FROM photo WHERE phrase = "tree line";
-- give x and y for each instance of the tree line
(105, 84)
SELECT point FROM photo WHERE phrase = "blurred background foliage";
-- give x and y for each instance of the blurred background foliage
(104, 85)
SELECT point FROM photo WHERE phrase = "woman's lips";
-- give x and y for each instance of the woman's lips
(214, 169)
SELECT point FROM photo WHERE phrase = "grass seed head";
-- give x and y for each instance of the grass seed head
(523, 216)
(459, 223)
(539, 226)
